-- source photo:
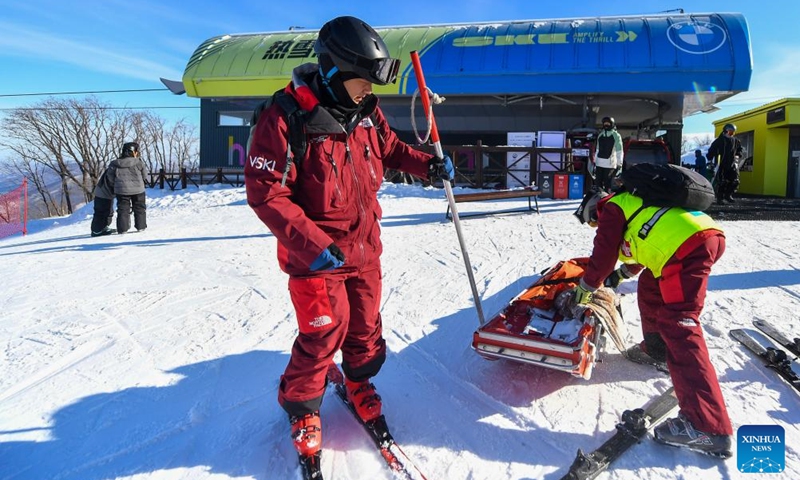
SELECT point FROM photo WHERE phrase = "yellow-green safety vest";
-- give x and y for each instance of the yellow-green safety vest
(654, 234)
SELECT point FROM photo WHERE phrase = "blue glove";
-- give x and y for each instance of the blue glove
(441, 168)
(329, 259)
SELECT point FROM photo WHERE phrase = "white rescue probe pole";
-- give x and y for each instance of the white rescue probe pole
(426, 102)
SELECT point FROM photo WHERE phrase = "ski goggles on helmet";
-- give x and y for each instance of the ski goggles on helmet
(381, 71)
(588, 211)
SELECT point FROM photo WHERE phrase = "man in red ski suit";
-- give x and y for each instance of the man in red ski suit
(674, 254)
(323, 210)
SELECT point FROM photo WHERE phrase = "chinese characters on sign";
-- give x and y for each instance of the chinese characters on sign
(289, 49)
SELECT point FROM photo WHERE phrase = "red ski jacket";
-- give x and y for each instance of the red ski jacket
(330, 196)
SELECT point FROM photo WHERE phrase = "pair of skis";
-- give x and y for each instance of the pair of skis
(401, 466)
(776, 359)
(632, 428)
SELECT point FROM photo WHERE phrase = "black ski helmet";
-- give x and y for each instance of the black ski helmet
(355, 47)
(729, 127)
(587, 211)
(609, 120)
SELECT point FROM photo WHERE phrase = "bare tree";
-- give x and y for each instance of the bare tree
(166, 147)
(35, 173)
(686, 145)
(63, 145)
(706, 139)
(69, 138)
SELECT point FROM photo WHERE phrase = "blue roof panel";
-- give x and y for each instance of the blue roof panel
(665, 53)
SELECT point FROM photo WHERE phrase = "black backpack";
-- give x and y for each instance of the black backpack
(296, 122)
(668, 186)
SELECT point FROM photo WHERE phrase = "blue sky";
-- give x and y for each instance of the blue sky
(48, 46)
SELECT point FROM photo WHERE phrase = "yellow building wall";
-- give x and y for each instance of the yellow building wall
(793, 112)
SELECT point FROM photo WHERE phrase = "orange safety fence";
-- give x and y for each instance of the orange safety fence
(14, 211)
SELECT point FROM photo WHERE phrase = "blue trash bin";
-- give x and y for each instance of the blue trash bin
(576, 186)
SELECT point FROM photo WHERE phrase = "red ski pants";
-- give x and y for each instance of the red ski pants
(670, 306)
(336, 311)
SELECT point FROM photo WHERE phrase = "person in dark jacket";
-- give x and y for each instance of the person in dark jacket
(700, 163)
(103, 206)
(725, 151)
(674, 257)
(323, 210)
(128, 174)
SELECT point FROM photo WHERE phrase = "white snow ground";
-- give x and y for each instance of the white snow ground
(156, 355)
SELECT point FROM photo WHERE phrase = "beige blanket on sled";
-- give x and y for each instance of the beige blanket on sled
(603, 305)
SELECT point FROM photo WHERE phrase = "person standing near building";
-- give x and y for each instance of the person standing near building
(324, 212)
(700, 163)
(725, 151)
(128, 174)
(674, 256)
(103, 206)
(608, 154)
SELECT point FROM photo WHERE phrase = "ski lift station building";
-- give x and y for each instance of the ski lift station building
(648, 72)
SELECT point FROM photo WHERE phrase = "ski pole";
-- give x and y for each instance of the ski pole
(437, 145)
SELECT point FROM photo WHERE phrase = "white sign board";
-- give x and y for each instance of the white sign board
(580, 152)
(518, 161)
(549, 162)
(519, 139)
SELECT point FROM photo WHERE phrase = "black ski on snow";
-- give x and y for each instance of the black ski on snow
(630, 431)
(776, 359)
(772, 332)
(401, 465)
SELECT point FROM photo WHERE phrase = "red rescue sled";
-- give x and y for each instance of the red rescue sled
(530, 330)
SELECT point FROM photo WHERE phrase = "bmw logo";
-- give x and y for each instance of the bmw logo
(696, 37)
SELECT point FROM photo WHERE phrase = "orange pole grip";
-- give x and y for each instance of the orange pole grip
(423, 89)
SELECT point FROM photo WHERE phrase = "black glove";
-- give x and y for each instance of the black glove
(441, 168)
(329, 259)
(616, 277)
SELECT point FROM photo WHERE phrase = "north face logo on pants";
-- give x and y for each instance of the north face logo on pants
(320, 322)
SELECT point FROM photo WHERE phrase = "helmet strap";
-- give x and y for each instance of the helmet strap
(326, 80)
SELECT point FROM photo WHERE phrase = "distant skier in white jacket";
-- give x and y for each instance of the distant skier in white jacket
(608, 154)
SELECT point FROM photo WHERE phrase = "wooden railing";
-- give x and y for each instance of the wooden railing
(477, 166)
(181, 180)
(481, 166)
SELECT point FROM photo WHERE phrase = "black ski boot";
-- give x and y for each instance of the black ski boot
(637, 355)
(103, 232)
(679, 432)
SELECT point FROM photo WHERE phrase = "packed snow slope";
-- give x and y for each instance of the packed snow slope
(156, 355)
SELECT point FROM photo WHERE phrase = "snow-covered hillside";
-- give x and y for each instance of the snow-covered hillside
(156, 355)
